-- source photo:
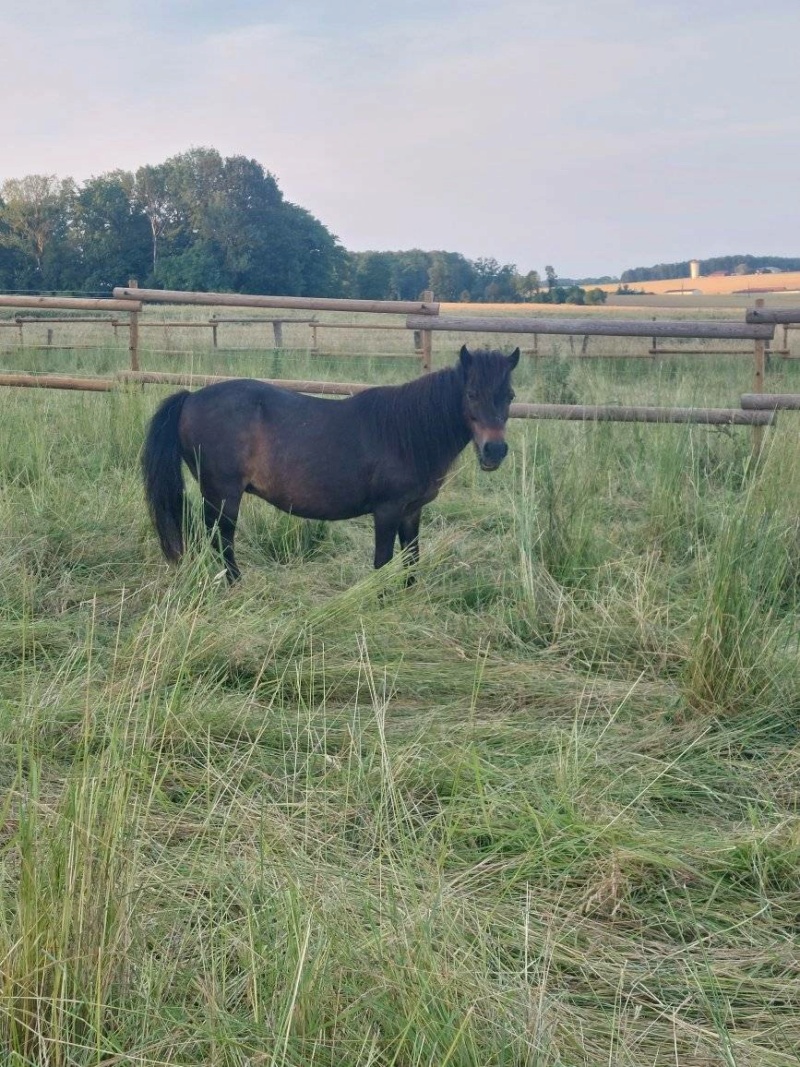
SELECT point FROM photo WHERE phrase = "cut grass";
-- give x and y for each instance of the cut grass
(539, 809)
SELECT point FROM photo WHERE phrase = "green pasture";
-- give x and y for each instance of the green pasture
(540, 809)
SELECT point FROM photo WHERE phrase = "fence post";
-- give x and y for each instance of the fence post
(214, 324)
(277, 330)
(20, 325)
(133, 328)
(759, 349)
(426, 338)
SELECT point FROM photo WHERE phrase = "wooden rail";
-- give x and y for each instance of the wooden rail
(38, 320)
(771, 401)
(772, 315)
(71, 303)
(57, 381)
(356, 325)
(726, 329)
(257, 321)
(761, 413)
(166, 378)
(656, 351)
(175, 325)
(581, 412)
(615, 413)
(302, 303)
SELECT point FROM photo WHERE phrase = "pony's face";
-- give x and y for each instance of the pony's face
(487, 397)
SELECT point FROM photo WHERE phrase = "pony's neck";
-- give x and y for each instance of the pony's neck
(441, 431)
(456, 433)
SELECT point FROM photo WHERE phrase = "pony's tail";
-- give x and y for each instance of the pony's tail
(163, 477)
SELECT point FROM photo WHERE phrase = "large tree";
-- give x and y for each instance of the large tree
(223, 223)
(111, 233)
(35, 216)
(153, 197)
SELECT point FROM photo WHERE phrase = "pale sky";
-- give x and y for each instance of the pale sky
(593, 135)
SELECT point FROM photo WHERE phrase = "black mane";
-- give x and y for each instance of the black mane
(423, 419)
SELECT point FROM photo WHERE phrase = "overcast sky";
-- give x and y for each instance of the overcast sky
(593, 135)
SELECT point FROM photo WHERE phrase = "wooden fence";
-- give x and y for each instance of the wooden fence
(130, 306)
(423, 318)
(427, 308)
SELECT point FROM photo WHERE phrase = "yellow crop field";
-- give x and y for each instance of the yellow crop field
(719, 285)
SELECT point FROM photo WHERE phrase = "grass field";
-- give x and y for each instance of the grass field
(540, 809)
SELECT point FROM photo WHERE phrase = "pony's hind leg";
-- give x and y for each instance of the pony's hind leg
(220, 519)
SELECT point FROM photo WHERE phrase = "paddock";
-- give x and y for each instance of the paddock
(421, 319)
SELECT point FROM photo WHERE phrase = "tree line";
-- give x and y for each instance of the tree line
(453, 277)
(196, 221)
(201, 221)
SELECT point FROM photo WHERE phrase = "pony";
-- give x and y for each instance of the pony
(383, 452)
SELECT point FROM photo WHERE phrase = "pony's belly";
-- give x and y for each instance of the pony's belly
(307, 505)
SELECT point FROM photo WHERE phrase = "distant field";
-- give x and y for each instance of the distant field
(743, 285)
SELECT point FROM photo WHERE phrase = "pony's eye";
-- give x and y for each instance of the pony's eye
(511, 395)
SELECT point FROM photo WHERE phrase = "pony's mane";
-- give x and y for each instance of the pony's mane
(423, 418)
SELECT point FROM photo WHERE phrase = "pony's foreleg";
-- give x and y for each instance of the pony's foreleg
(387, 523)
(220, 521)
(408, 533)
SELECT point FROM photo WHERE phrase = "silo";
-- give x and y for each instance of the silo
(694, 268)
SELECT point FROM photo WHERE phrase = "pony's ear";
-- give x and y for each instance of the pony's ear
(513, 359)
(465, 356)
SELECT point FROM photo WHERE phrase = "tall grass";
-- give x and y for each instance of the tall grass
(540, 809)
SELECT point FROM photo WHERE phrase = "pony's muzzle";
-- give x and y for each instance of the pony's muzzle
(492, 453)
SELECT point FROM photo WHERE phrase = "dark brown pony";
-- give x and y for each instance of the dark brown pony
(383, 452)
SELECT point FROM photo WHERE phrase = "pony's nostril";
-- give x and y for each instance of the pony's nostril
(494, 452)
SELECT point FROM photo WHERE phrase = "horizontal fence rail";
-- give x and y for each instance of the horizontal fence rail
(726, 329)
(619, 413)
(302, 303)
(261, 320)
(58, 381)
(569, 412)
(74, 303)
(317, 388)
(37, 320)
(771, 401)
(772, 315)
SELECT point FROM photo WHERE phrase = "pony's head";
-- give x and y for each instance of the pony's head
(487, 397)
